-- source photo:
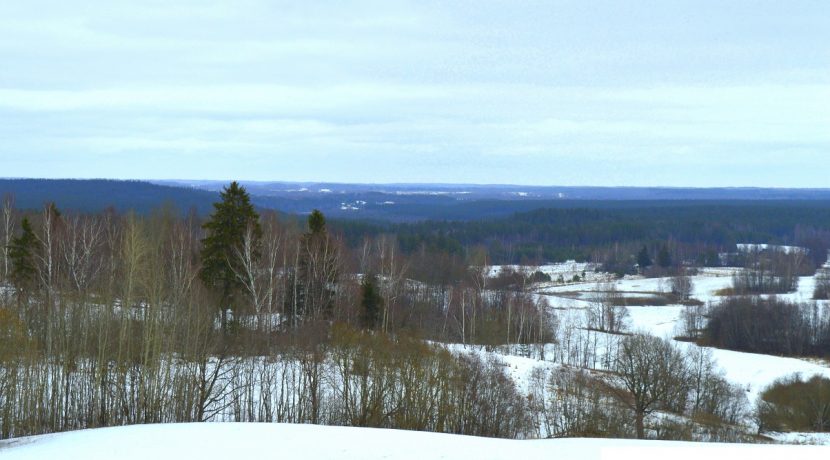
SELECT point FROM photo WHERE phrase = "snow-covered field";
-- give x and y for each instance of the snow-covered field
(566, 270)
(223, 441)
(752, 372)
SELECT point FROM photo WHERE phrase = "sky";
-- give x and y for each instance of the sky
(669, 93)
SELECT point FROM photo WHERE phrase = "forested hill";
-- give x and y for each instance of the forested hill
(542, 230)
(553, 234)
(98, 194)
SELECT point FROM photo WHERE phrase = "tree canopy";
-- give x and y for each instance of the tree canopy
(233, 221)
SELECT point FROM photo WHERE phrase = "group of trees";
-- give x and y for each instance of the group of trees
(112, 318)
(771, 271)
(614, 234)
(663, 260)
(821, 291)
(649, 375)
(607, 311)
(653, 374)
(768, 325)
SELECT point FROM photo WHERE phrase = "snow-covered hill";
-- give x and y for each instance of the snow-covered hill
(223, 441)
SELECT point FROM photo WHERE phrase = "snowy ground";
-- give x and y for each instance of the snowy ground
(222, 441)
(753, 372)
(750, 370)
(566, 270)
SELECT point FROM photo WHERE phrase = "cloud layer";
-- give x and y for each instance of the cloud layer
(554, 92)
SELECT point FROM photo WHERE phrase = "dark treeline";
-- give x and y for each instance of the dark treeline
(698, 231)
(95, 195)
(769, 325)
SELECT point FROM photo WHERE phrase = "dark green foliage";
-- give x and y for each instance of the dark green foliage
(22, 256)
(664, 257)
(316, 222)
(702, 228)
(793, 404)
(97, 195)
(542, 277)
(233, 219)
(371, 303)
(643, 259)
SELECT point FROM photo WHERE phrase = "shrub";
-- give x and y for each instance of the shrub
(793, 404)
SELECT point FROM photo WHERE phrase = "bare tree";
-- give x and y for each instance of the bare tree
(650, 374)
(607, 311)
(693, 320)
(8, 233)
(682, 287)
(79, 248)
(259, 270)
(392, 272)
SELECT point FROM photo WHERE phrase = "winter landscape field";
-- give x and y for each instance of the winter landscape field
(414, 229)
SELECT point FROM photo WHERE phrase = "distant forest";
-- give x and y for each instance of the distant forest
(95, 195)
(695, 231)
(610, 232)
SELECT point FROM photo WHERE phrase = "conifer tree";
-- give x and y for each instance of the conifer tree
(22, 257)
(316, 223)
(664, 257)
(371, 302)
(234, 219)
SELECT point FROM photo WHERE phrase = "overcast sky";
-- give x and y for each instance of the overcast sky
(681, 93)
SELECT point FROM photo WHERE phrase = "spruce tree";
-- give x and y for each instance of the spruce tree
(664, 257)
(22, 257)
(316, 223)
(226, 233)
(371, 302)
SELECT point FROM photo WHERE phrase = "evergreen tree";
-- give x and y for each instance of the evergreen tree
(371, 302)
(22, 257)
(664, 257)
(643, 260)
(227, 228)
(316, 223)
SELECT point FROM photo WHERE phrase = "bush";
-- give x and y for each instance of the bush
(793, 404)
(539, 277)
(822, 289)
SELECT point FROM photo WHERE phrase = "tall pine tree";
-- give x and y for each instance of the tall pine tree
(22, 257)
(227, 229)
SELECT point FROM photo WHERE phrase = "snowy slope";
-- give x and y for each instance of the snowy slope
(751, 371)
(207, 441)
